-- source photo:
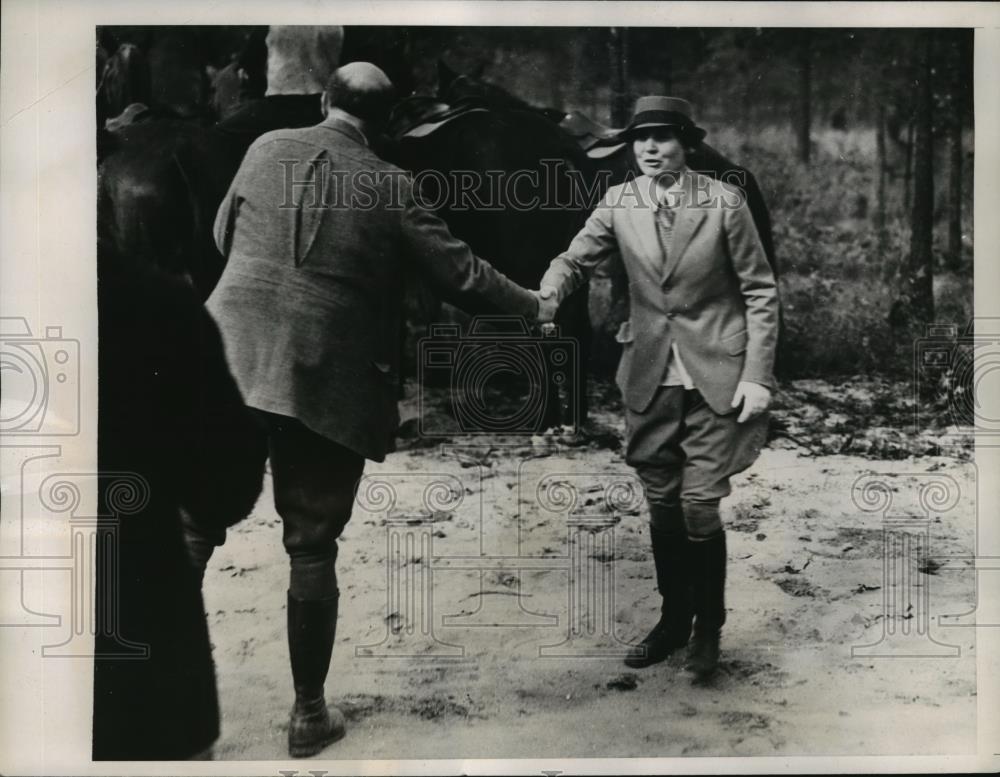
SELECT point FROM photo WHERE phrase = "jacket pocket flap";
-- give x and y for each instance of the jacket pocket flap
(735, 343)
(624, 334)
(384, 368)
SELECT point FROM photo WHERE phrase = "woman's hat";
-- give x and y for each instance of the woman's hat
(659, 111)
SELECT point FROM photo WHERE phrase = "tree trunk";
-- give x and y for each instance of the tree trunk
(618, 51)
(560, 59)
(955, 193)
(918, 283)
(805, 98)
(908, 168)
(580, 99)
(955, 163)
(880, 236)
(667, 74)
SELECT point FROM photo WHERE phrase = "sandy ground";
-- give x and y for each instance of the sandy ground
(486, 659)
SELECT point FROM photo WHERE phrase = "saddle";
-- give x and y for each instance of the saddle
(134, 113)
(418, 117)
(596, 140)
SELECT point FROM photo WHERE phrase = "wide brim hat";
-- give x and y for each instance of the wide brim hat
(660, 111)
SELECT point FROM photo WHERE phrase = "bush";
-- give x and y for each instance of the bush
(838, 280)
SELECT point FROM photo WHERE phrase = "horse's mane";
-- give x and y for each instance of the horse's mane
(124, 80)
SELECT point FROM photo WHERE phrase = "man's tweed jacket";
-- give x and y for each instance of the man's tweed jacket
(319, 235)
(715, 295)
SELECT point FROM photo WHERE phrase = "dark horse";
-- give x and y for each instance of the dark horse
(160, 183)
(161, 180)
(478, 127)
(124, 80)
(509, 174)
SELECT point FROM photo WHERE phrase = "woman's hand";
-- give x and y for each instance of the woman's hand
(548, 304)
(755, 398)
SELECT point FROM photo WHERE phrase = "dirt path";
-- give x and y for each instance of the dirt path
(490, 674)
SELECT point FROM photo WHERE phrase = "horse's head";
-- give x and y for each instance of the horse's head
(125, 80)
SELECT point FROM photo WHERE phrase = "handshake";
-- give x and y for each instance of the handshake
(548, 304)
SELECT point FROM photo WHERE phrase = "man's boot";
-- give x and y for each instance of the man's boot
(708, 570)
(674, 627)
(312, 627)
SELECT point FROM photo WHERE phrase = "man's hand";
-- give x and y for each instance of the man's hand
(548, 304)
(755, 398)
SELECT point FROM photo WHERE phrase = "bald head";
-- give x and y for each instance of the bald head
(362, 90)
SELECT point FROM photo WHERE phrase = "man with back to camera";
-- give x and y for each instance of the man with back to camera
(309, 309)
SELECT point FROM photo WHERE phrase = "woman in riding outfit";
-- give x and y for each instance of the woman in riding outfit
(696, 372)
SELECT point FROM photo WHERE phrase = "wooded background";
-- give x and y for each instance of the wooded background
(862, 141)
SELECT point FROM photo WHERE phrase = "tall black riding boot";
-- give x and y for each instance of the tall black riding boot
(708, 571)
(312, 627)
(674, 627)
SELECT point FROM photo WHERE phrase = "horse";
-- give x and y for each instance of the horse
(513, 176)
(159, 186)
(161, 181)
(162, 170)
(124, 81)
(474, 125)
(162, 178)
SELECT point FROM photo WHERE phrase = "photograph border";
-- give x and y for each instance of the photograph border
(48, 277)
